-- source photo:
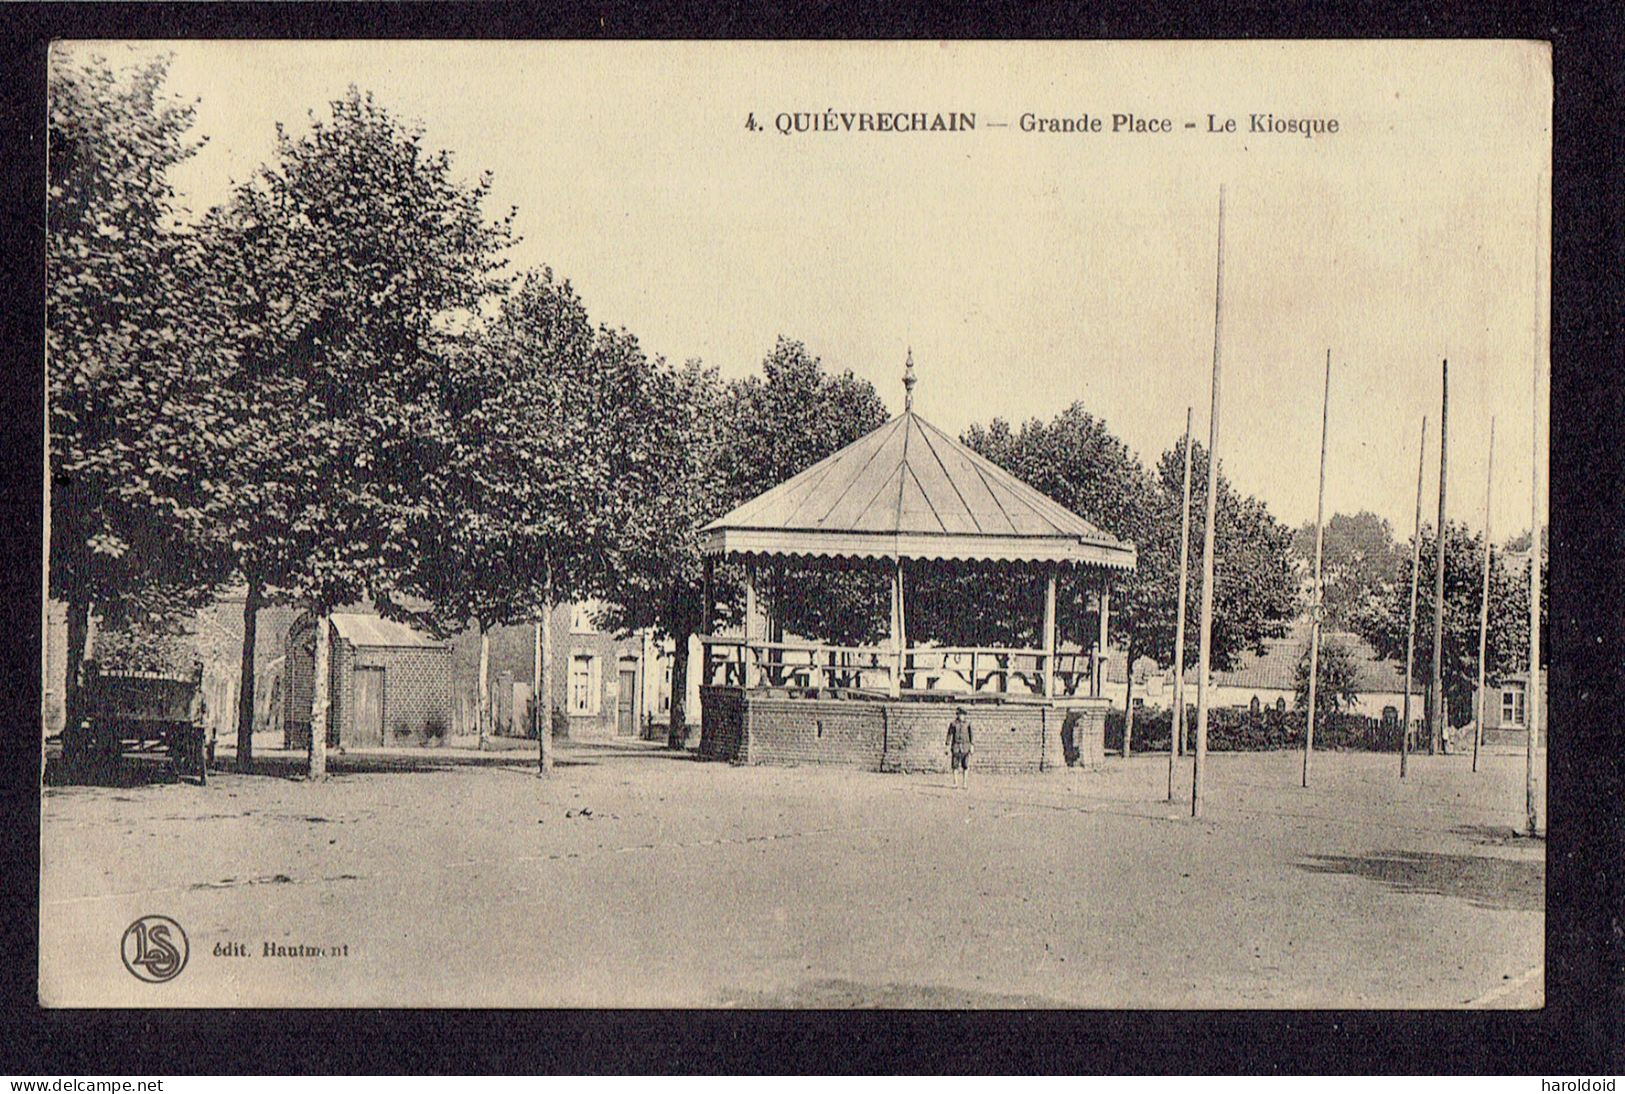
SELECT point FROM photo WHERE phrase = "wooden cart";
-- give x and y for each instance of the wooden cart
(138, 713)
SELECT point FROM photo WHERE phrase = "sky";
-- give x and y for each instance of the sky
(1025, 270)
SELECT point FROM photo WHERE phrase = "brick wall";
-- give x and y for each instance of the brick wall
(722, 724)
(835, 732)
(1009, 737)
(417, 692)
(880, 735)
(1085, 742)
(513, 651)
(298, 669)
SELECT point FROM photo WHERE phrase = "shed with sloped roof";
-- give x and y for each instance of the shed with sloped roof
(390, 683)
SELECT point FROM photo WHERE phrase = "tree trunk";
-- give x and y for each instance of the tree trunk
(482, 702)
(245, 691)
(1432, 720)
(544, 701)
(1128, 702)
(677, 730)
(78, 635)
(320, 689)
(536, 681)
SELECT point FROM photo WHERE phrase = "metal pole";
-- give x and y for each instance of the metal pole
(1314, 618)
(1532, 693)
(1204, 643)
(1436, 700)
(1410, 625)
(1484, 605)
(1176, 727)
(544, 699)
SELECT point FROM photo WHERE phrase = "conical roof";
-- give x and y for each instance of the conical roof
(909, 490)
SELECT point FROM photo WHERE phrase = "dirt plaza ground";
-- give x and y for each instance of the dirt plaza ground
(639, 877)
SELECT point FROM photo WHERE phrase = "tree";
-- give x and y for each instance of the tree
(779, 424)
(1359, 560)
(560, 460)
(347, 269)
(661, 584)
(737, 441)
(1336, 682)
(124, 367)
(1255, 591)
(1077, 461)
(1507, 645)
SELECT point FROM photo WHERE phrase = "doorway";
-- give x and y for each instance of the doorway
(369, 707)
(626, 713)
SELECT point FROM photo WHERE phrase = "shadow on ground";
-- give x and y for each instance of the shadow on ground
(1492, 835)
(849, 994)
(134, 771)
(1494, 883)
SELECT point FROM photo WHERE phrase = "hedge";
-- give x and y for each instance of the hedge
(1238, 729)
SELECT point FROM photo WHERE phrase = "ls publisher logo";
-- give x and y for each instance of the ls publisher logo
(155, 949)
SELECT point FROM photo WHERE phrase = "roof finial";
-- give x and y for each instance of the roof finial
(908, 382)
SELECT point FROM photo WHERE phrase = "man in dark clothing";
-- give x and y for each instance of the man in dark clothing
(960, 747)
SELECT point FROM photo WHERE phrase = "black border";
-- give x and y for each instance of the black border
(1582, 1029)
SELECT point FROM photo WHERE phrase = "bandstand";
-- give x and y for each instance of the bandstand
(907, 496)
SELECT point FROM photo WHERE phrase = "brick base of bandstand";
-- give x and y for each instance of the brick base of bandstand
(1013, 735)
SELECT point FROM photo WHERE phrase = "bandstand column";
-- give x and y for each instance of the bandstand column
(1100, 640)
(1049, 634)
(899, 635)
(707, 600)
(750, 621)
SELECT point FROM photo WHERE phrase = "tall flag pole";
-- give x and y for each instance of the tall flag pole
(1204, 645)
(1532, 693)
(1317, 608)
(1176, 726)
(1436, 700)
(1484, 606)
(1410, 625)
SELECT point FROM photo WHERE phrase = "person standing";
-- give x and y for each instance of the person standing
(960, 742)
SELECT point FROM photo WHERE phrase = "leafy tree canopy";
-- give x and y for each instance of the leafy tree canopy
(1384, 623)
(124, 347)
(347, 272)
(1336, 678)
(1359, 561)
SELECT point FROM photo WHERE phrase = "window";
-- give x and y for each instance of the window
(1512, 706)
(585, 684)
(1280, 702)
(1254, 705)
(1390, 715)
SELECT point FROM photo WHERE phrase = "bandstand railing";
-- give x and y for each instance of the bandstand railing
(917, 670)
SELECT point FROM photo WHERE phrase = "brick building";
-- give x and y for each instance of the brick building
(214, 635)
(1506, 714)
(604, 685)
(390, 684)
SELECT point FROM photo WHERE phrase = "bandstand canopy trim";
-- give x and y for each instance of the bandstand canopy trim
(909, 490)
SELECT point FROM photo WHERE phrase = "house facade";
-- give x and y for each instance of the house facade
(605, 685)
(1506, 714)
